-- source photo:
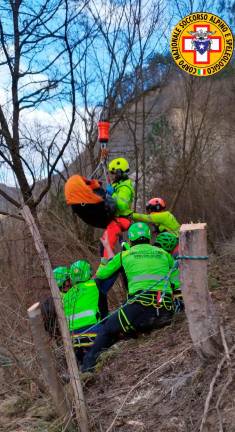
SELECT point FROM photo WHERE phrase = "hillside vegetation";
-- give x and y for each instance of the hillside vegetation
(177, 132)
(153, 383)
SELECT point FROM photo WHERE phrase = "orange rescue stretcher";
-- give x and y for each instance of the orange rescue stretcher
(89, 201)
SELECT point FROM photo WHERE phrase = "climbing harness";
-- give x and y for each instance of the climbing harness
(153, 298)
(121, 314)
(83, 339)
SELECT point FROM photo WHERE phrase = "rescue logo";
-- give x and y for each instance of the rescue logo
(202, 44)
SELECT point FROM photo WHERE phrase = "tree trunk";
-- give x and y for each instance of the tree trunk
(79, 400)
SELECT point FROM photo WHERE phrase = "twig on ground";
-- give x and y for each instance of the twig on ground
(211, 389)
(141, 381)
(68, 423)
(157, 369)
(228, 381)
(226, 349)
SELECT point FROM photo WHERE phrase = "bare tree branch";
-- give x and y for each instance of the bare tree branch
(11, 215)
(10, 199)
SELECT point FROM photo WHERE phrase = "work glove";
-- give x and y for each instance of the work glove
(125, 246)
(109, 189)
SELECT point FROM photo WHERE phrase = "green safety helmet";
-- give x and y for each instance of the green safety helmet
(138, 230)
(166, 241)
(119, 164)
(61, 274)
(80, 271)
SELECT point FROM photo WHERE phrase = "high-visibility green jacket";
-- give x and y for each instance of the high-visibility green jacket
(81, 305)
(164, 220)
(123, 195)
(146, 268)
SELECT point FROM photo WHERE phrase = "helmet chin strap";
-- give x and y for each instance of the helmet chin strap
(120, 175)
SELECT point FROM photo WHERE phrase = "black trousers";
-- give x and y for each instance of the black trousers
(130, 320)
(98, 215)
(49, 317)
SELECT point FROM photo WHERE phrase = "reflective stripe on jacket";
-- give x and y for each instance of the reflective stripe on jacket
(146, 268)
(81, 305)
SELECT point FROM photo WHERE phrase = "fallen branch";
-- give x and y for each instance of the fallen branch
(229, 379)
(217, 406)
(141, 381)
(3, 213)
(226, 349)
(212, 385)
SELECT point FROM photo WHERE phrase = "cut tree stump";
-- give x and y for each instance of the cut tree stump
(202, 318)
(46, 359)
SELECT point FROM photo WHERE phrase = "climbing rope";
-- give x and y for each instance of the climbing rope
(163, 293)
(102, 165)
(133, 299)
(189, 257)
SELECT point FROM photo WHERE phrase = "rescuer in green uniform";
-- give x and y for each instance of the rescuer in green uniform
(169, 243)
(162, 219)
(122, 192)
(84, 306)
(149, 304)
(62, 278)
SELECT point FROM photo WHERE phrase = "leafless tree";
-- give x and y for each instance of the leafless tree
(114, 74)
(38, 43)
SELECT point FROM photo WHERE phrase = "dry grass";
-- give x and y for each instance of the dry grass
(170, 399)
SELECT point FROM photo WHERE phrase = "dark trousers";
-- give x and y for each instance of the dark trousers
(130, 320)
